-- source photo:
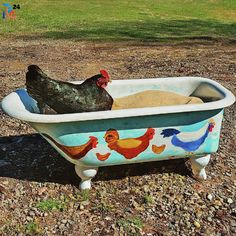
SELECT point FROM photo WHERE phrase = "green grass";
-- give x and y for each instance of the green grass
(104, 207)
(84, 195)
(32, 228)
(123, 20)
(50, 205)
(130, 222)
(148, 199)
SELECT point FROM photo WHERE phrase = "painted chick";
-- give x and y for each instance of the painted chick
(128, 147)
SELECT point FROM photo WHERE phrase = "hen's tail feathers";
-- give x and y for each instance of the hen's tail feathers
(169, 132)
(35, 73)
(33, 68)
(36, 82)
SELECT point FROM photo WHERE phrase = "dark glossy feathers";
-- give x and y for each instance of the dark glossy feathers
(64, 97)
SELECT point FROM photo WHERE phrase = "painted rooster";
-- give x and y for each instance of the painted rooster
(75, 152)
(128, 147)
(189, 141)
(64, 97)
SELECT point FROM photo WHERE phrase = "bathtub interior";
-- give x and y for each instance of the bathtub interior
(184, 86)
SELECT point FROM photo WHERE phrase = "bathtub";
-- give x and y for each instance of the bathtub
(93, 139)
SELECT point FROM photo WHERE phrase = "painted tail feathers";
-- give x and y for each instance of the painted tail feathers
(75, 152)
(169, 132)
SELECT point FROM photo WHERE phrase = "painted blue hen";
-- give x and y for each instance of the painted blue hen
(188, 141)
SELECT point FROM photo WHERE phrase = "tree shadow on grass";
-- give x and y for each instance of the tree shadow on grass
(162, 30)
(30, 157)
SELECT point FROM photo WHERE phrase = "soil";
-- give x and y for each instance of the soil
(158, 198)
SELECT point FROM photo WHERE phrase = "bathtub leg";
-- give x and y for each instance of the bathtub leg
(86, 173)
(198, 165)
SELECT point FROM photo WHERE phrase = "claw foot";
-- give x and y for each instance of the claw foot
(198, 165)
(86, 174)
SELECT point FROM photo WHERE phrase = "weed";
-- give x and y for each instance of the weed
(104, 207)
(32, 228)
(84, 195)
(130, 223)
(148, 199)
(137, 221)
(51, 204)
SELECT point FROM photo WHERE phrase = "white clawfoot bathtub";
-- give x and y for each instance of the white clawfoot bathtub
(93, 139)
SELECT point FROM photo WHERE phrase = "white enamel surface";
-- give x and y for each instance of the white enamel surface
(15, 107)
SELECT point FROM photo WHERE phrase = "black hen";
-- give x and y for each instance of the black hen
(64, 97)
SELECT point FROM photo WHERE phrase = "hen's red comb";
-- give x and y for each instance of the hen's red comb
(105, 74)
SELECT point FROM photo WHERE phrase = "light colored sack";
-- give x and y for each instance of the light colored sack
(153, 98)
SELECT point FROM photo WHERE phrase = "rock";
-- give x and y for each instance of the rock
(41, 191)
(230, 200)
(2, 189)
(209, 219)
(197, 224)
(219, 213)
(61, 226)
(198, 214)
(31, 213)
(188, 224)
(217, 203)
(85, 203)
(209, 197)
(145, 188)
(28, 218)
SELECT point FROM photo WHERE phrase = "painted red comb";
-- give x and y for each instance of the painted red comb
(104, 74)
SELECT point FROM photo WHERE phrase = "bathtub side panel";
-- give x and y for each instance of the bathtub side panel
(135, 139)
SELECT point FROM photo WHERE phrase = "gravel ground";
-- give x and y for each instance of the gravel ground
(39, 189)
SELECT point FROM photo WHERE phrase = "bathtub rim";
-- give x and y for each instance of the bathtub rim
(24, 114)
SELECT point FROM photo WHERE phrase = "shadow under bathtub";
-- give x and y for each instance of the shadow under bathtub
(30, 157)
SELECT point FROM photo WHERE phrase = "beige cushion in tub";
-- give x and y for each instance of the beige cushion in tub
(153, 98)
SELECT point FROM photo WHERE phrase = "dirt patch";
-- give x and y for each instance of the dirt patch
(158, 198)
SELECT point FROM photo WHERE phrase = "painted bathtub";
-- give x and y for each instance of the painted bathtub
(93, 139)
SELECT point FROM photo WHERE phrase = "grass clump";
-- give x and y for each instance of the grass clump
(50, 205)
(130, 224)
(104, 207)
(148, 199)
(84, 195)
(32, 228)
